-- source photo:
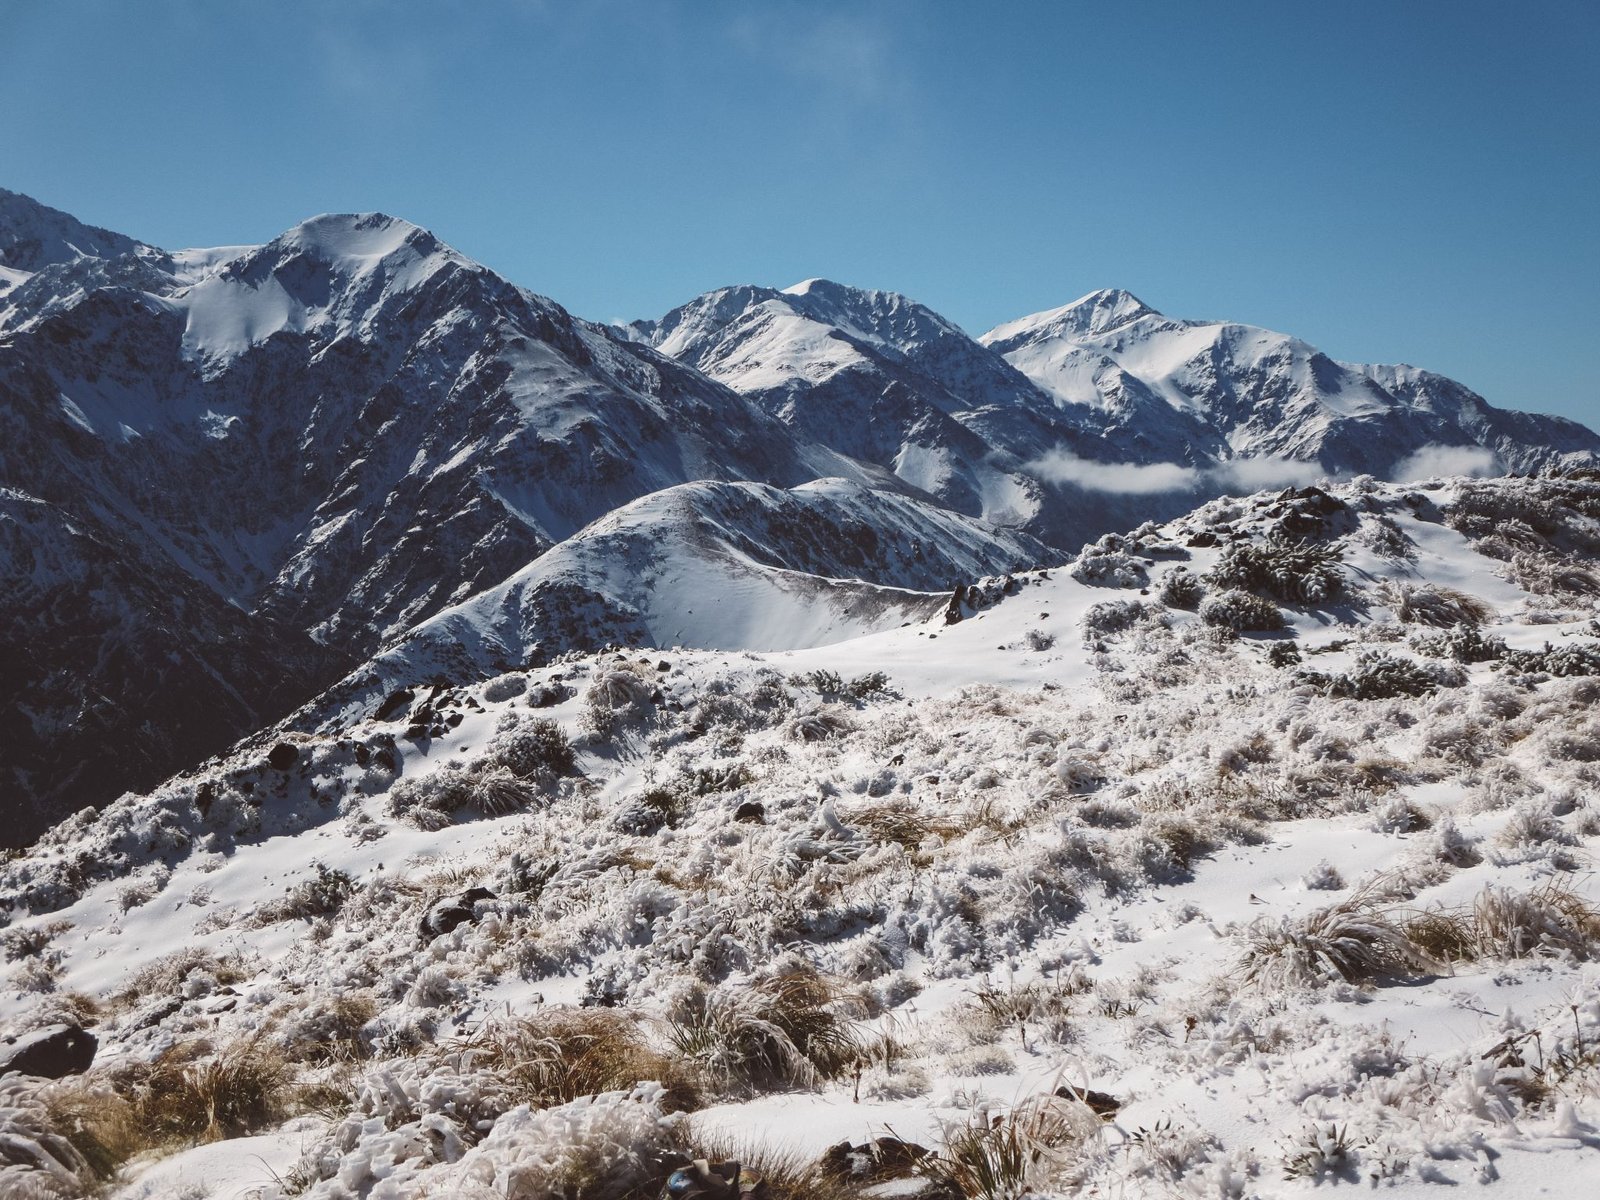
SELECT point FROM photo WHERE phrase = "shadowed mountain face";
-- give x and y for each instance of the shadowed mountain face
(230, 476)
(241, 470)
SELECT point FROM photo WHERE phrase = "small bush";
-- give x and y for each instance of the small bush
(1462, 644)
(430, 801)
(616, 696)
(534, 750)
(1181, 588)
(1377, 675)
(1570, 660)
(1241, 611)
(1299, 572)
(1027, 1151)
(1112, 617)
(322, 895)
(1110, 562)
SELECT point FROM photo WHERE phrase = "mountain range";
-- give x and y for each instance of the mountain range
(233, 480)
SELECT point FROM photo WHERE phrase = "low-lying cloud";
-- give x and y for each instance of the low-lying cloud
(1147, 479)
(1437, 461)
(1127, 479)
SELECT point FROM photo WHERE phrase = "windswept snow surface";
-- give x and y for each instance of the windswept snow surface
(1081, 835)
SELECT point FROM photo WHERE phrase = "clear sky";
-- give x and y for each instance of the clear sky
(1399, 181)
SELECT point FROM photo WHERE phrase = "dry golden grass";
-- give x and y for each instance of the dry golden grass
(562, 1054)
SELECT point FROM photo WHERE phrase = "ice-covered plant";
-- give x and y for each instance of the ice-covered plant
(1241, 611)
(1301, 572)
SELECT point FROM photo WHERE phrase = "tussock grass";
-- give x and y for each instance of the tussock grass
(1434, 604)
(1354, 941)
(790, 1029)
(1030, 1149)
(563, 1054)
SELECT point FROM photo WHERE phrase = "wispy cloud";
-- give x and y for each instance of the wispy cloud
(1147, 479)
(1434, 461)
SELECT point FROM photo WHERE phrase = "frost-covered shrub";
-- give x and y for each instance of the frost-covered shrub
(790, 1028)
(1241, 611)
(1112, 617)
(323, 894)
(1380, 676)
(535, 750)
(617, 696)
(1296, 571)
(1569, 659)
(1461, 643)
(1324, 877)
(498, 791)
(430, 801)
(505, 687)
(1352, 941)
(1434, 604)
(1110, 562)
(1544, 575)
(1181, 588)
(1387, 540)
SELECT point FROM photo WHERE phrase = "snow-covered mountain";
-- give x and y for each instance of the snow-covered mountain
(240, 473)
(1091, 416)
(723, 566)
(338, 433)
(1221, 392)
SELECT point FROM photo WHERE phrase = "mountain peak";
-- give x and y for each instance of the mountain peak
(34, 236)
(359, 236)
(1098, 312)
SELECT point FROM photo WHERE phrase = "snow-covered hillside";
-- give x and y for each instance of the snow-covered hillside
(1246, 855)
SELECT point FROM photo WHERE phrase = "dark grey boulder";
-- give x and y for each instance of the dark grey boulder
(51, 1052)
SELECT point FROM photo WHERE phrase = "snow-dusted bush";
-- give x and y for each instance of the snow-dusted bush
(1378, 675)
(1112, 617)
(505, 687)
(616, 696)
(430, 801)
(1181, 588)
(1569, 659)
(792, 1027)
(534, 750)
(1324, 877)
(1297, 571)
(1110, 562)
(1461, 643)
(1241, 611)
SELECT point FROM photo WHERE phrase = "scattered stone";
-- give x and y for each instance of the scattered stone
(871, 1162)
(702, 1180)
(393, 703)
(1102, 1104)
(283, 756)
(51, 1052)
(452, 911)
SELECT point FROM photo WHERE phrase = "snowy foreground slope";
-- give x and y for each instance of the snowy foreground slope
(1289, 908)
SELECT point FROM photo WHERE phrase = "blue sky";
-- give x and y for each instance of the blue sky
(1410, 181)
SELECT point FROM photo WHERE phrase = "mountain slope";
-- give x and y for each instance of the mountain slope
(340, 432)
(730, 566)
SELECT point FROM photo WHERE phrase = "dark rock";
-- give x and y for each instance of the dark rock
(751, 810)
(394, 702)
(1103, 1104)
(283, 756)
(415, 733)
(51, 1052)
(450, 912)
(871, 1162)
(952, 610)
(1202, 539)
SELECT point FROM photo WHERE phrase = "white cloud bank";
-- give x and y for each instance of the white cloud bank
(1147, 479)
(1437, 461)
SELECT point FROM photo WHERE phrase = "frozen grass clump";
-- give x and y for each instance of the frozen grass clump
(1462, 644)
(1434, 604)
(1029, 1150)
(1505, 924)
(1569, 660)
(1350, 942)
(791, 1028)
(617, 697)
(1300, 572)
(505, 687)
(1241, 611)
(534, 750)
(1113, 617)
